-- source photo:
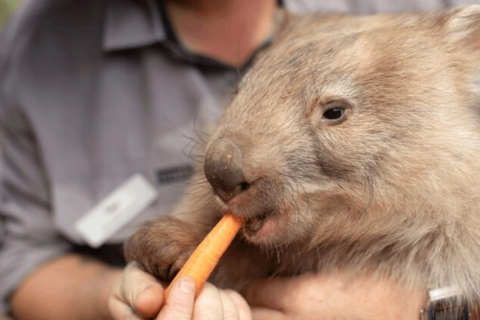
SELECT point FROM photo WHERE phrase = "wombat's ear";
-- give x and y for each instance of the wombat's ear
(463, 27)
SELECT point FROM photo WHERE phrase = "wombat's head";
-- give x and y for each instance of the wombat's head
(347, 121)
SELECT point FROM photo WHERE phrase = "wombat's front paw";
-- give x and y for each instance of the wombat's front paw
(161, 247)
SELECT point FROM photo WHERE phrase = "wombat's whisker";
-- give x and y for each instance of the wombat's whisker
(202, 137)
(197, 187)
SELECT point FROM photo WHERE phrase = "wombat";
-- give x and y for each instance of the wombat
(353, 144)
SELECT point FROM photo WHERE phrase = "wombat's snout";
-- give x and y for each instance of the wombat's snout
(224, 170)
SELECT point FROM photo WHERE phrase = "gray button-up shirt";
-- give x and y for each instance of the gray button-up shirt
(92, 92)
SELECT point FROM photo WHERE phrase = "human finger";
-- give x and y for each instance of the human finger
(230, 310)
(137, 293)
(242, 307)
(209, 304)
(261, 313)
(122, 311)
(180, 302)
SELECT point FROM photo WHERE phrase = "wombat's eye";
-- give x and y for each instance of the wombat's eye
(334, 114)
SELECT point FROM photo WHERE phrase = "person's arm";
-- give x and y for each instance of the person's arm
(334, 296)
(70, 287)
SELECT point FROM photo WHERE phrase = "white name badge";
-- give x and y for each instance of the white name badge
(116, 210)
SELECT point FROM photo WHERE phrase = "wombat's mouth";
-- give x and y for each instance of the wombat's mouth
(261, 225)
(253, 225)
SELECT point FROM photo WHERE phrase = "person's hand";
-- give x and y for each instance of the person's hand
(137, 295)
(333, 296)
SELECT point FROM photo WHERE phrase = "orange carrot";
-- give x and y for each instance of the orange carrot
(206, 256)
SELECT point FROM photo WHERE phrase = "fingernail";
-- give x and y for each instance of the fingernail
(187, 286)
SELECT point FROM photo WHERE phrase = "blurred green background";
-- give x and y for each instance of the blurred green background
(6, 9)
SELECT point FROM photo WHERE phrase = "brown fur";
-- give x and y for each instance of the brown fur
(391, 190)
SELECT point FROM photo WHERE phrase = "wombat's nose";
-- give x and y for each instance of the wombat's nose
(223, 169)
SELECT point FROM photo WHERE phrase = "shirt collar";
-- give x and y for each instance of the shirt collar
(132, 24)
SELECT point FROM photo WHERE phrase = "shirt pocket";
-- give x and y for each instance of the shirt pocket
(72, 199)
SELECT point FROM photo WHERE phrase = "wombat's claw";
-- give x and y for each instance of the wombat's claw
(172, 271)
